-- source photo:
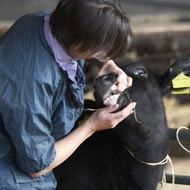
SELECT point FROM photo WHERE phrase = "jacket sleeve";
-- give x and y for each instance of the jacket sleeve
(27, 119)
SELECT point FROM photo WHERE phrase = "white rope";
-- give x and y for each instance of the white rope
(91, 109)
(135, 113)
(173, 172)
(162, 162)
(178, 140)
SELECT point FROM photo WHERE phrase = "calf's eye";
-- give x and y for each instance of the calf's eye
(141, 73)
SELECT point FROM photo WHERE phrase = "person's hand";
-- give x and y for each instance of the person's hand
(123, 81)
(105, 119)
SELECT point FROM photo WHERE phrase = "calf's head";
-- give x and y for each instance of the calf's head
(105, 85)
(147, 87)
(149, 120)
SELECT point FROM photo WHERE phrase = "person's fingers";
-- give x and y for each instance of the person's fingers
(107, 68)
(129, 109)
(130, 81)
(111, 108)
(106, 118)
(120, 88)
(119, 116)
(122, 83)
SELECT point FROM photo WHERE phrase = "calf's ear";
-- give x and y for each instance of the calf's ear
(180, 65)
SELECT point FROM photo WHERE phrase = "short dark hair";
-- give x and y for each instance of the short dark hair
(92, 25)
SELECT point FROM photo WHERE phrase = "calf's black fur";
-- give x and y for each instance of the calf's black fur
(104, 161)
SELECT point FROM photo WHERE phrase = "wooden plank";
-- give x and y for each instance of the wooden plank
(138, 29)
(161, 29)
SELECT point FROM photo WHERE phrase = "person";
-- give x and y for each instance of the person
(42, 82)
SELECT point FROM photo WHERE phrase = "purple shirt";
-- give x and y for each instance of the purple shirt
(66, 62)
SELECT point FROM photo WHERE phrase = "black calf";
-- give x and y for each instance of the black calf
(118, 159)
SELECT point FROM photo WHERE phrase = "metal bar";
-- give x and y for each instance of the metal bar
(184, 135)
(179, 179)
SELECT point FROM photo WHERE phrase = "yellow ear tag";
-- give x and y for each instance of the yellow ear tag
(181, 84)
(181, 91)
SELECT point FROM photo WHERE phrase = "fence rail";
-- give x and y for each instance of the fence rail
(179, 179)
(184, 137)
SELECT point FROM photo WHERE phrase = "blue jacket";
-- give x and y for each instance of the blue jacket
(39, 104)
